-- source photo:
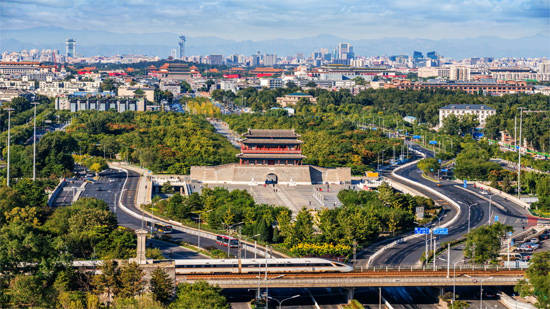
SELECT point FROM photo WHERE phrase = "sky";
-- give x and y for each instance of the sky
(269, 19)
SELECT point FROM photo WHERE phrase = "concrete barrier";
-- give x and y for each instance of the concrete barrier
(55, 192)
(442, 196)
(149, 217)
(502, 194)
(511, 303)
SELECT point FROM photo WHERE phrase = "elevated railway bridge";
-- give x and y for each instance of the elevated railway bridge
(370, 278)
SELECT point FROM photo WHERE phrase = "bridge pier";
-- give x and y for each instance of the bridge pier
(350, 294)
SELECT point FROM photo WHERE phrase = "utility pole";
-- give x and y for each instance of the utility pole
(516, 133)
(490, 203)
(34, 144)
(379, 298)
(448, 259)
(519, 151)
(426, 252)
(435, 250)
(9, 110)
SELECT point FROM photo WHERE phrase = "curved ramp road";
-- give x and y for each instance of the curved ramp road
(116, 186)
(409, 252)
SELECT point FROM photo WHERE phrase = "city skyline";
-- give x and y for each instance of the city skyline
(243, 20)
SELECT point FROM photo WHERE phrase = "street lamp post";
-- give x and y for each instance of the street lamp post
(454, 282)
(199, 234)
(34, 143)
(229, 227)
(255, 244)
(9, 110)
(490, 204)
(280, 302)
(469, 212)
(481, 291)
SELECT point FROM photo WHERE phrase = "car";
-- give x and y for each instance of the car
(525, 256)
(534, 240)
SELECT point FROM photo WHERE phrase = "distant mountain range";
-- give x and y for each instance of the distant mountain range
(92, 42)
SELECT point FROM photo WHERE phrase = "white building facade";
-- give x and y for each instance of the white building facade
(481, 111)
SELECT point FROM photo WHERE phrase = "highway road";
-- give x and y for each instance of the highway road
(410, 252)
(109, 187)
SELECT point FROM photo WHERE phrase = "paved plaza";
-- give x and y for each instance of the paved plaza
(293, 197)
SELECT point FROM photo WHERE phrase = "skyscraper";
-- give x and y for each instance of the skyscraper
(70, 48)
(417, 55)
(432, 55)
(181, 45)
(345, 51)
(270, 59)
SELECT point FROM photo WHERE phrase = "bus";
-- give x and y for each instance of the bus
(159, 227)
(223, 240)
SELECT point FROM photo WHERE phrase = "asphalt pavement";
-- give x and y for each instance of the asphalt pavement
(409, 253)
(109, 187)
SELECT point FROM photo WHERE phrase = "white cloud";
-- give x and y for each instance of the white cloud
(249, 19)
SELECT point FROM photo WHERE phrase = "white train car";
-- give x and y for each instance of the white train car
(244, 266)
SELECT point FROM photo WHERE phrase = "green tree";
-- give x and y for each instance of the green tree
(27, 291)
(429, 165)
(108, 84)
(359, 81)
(53, 154)
(131, 280)
(162, 286)
(139, 92)
(537, 282)
(144, 301)
(199, 295)
(108, 281)
(483, 244)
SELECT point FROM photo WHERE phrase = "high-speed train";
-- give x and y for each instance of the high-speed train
(243, 266)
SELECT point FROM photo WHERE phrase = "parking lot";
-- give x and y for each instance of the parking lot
(525, 249)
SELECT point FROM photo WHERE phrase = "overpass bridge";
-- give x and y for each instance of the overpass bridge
(371, 278)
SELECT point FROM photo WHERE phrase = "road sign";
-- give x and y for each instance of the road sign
(465, 183)
(439, 161)
(444, 170)
(432, 142)
(496, 218)
(441, 231)
(417, 136)
(421, 230)
(509, 234)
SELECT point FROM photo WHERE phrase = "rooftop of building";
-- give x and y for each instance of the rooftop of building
(280, 141)
(261, 133)
(468, 107)
(299, 94)
(270, 156)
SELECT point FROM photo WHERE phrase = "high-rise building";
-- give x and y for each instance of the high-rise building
(459, 73)
(432, 55)
(417, 55)
(215, 59)
(173, 53)
(254, 60)
(345, 51)
(270, 59)
(543, 67)
(70, 48)
(181, 45)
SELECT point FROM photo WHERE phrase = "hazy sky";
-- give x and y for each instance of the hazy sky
(267, 19)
